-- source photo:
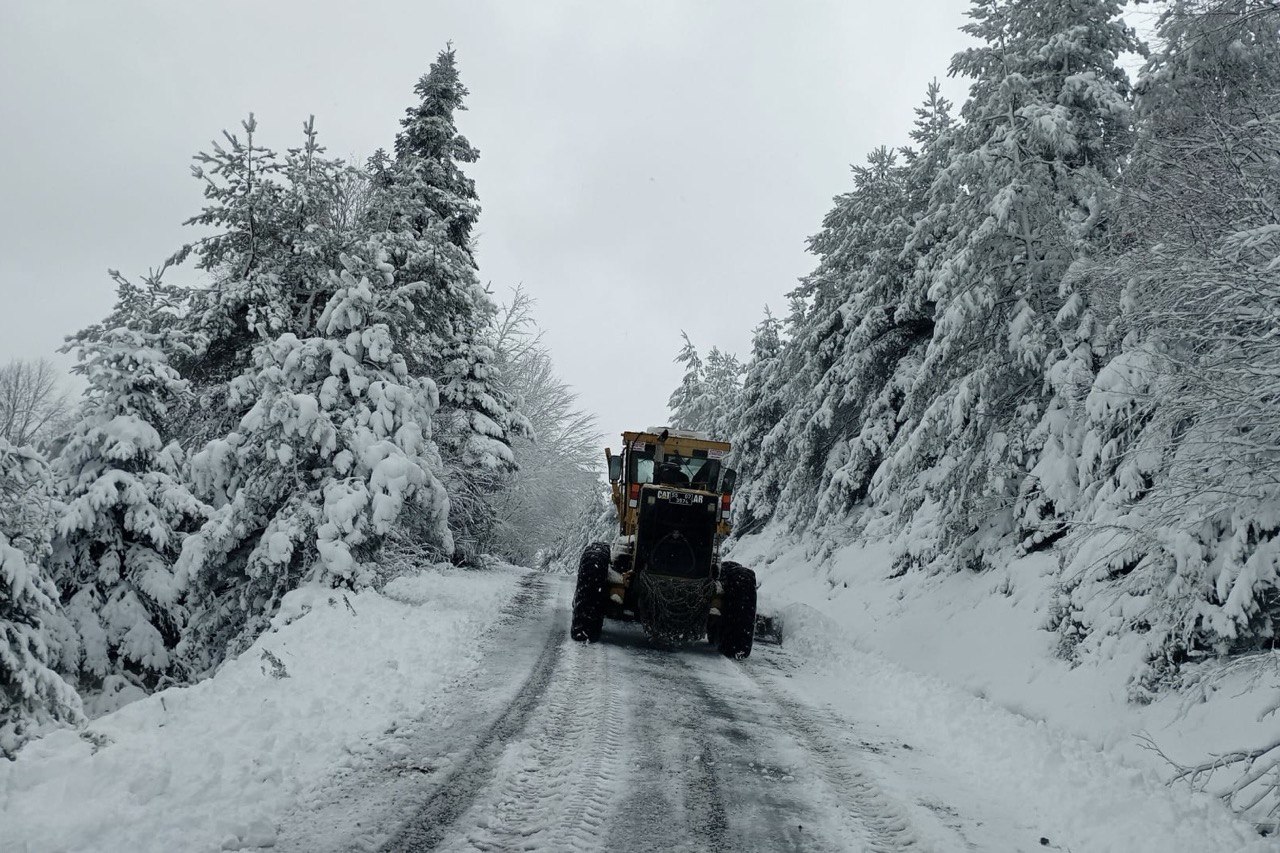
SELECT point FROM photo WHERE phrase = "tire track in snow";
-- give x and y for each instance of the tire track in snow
(761, 762)
(884, 826)
(623, 747)
(363, 804)
(455, 792)
(675, 799)
(554, 786)
(591, 805)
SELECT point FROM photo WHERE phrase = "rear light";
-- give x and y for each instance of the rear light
(633, 494)
(724, 503)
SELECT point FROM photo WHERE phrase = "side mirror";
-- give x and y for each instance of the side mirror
(728, 481)
(615, 469)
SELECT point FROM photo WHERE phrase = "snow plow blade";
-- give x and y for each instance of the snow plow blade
(769, 628)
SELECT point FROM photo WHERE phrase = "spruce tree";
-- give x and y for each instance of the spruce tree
(846, 344)
(707, 398)
(32, 694)
(723, 384)
(422, 213)
(687, 401)
(124, 511)
(333, 452)
(280, 224)
(758, 411)
(1019, 202)
(1178, 444)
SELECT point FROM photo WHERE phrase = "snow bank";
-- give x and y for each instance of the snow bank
(211, 766)
(982, 635)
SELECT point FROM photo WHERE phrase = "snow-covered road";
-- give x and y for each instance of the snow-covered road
(618, 746)
(615, 746)
(451, 712)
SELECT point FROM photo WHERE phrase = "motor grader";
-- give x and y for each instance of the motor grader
(673, 497)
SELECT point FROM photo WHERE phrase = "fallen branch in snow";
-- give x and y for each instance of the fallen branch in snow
(1246, 780)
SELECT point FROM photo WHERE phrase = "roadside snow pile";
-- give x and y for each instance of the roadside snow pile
(983, 634)
(1027, 779)
(212, 765)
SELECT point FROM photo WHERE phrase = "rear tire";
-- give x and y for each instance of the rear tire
(589, 594)
(737, 626)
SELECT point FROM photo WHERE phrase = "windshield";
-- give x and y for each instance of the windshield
(696, 471)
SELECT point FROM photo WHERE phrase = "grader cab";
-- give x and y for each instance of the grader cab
(673, 497)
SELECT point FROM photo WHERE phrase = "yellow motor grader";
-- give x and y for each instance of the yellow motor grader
(673, 496)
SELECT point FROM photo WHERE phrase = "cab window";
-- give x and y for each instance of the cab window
(702, 473)
(641, 469)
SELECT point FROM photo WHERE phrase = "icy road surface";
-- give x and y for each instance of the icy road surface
(557, 746)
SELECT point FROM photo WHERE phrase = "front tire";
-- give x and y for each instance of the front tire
(589, 594)
(737, 628)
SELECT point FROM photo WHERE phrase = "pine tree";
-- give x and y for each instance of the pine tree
(1178, 445)
(856, 401)
(933, 134)
(687, 401)
(848, 343)
(764, 488)
(126, 508)
(707, 398)
(281, 223)
(723, 389)
(32, 694)
(1021, 199)
(422, 213)
(333, 452)
(759, 410)
(422, 216)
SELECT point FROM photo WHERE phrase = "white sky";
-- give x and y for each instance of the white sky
(645, 167)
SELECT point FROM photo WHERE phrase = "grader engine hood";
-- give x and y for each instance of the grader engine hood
(677, 529)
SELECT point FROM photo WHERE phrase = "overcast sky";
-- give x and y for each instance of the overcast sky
(645, 167)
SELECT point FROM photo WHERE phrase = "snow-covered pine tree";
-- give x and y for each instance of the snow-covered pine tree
(476, 426)
(882, 355)
(280, 224)
(848, 418)
(687, 402)
(707, 398)
(124, 511)
(776, 451)
(722, 382)
(1180, 516)
(758, 411)
(333, 452)
(32, 694)
(933, 137)
(422, 213)
(817, 329)
(1018, 203)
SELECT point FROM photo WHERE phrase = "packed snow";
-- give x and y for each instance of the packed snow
(962, 666)
(213, 765)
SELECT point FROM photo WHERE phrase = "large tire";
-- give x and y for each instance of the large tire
(589, 594)
(737, 628)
